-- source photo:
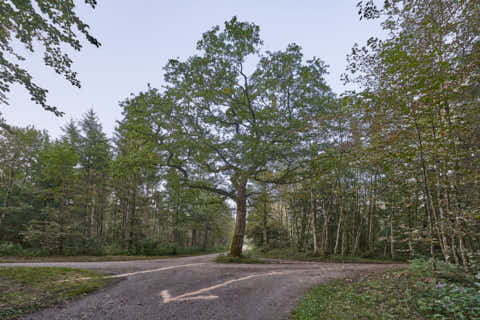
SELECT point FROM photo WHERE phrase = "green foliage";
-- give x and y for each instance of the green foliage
(80, 195)
(10, 249)
(417, 114)
(294, 254)
(453, 294)
(52, 24)
(278, 253)
(408, 294)
(422, 267)
(380, 296)
(221, 127)
(449, 301)
(265, 231)
(162, 250)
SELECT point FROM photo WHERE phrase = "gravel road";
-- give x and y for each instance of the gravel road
(198, 288)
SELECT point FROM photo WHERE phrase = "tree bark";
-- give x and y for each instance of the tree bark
(240, 220)
(325, 246)
(7, 194)
(265, 217)
(339, 226)
(314, 222)
(392, 214)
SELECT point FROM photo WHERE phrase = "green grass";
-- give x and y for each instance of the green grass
(413, 293)
(243, 259)
(27, 289)
(377, 296)
(291, 254)
(15, 259)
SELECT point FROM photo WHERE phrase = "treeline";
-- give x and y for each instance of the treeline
(86, 194)
(391, 169)
(397, 173)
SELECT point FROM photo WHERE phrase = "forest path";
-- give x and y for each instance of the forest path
(198, 288)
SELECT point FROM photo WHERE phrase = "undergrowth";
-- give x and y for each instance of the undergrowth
(413, 293)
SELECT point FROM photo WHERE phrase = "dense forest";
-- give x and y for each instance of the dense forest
(85, 194)
(391, 168)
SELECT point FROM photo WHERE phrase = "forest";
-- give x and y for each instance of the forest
(228, 150)
(84, 194)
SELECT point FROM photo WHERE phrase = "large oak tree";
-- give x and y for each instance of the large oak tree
(223, 127)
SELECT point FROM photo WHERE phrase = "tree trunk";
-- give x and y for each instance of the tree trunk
(7, 194)
(265, 217)
(371, 215)
(194, 238)
(205, 237)
(357, 238)
(392, 239)
(392, 214)
(240, 220)
(343, 250)
(428, 199)
(339, 226)
(132, 236)
(325, 246)
(411, 249)
(313, 208)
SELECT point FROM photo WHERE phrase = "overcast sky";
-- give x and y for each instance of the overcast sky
(138, 37)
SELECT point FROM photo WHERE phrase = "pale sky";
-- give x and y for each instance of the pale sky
(138, 37)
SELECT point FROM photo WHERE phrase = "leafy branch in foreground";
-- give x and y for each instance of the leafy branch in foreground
(49, 23)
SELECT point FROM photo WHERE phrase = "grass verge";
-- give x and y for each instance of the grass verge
(374, 296)
(306, 256)
(244, 259)
(28, 289)
(413, 293)
(20, 259)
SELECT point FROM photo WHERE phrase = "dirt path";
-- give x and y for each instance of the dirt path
(198, 288)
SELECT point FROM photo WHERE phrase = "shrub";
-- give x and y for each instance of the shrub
(452, 294)
(10, 249)
(451, 301)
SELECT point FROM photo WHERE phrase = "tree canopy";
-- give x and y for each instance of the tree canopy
(390, 169)
(221, 126)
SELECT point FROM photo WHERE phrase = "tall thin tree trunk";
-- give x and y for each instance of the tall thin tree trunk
(411, 250)
(7, 195)
(132, 236)
(357, 237)
(324, 245)
(392, 214)
(343, 250)
(265, 218)
(428, 200)
(339, 226)
(371, 215)
(313, 208)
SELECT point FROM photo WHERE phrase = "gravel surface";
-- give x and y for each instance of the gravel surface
(198, 288)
